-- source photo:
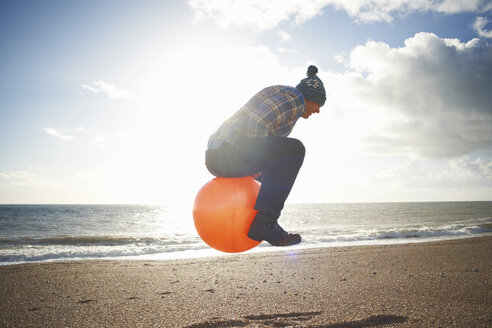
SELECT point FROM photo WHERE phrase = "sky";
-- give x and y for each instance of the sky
(113, 101)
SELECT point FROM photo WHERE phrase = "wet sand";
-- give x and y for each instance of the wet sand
(439, 284)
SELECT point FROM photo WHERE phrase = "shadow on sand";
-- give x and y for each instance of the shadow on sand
(298, 319)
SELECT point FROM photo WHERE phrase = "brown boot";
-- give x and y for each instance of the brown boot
(265, 227)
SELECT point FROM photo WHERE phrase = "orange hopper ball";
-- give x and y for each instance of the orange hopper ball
(223, 212)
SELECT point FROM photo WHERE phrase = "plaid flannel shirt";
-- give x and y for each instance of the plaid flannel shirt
(271, 112)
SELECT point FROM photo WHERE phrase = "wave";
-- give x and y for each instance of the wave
(93, 240)
(71, 247)
(320, 234)
(78, 253)
(454, 230)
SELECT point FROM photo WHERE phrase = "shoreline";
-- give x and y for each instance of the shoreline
(442, 283)
(258, 250)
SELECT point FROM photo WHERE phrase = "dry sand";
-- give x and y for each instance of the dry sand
(440, 284)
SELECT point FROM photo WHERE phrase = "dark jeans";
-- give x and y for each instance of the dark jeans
(277, 158)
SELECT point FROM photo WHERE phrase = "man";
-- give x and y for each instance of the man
(254, 142)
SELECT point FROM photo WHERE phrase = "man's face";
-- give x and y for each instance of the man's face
(311, 107)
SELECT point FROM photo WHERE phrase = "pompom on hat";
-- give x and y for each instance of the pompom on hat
(311, 87)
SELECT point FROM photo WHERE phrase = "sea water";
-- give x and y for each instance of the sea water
(41, 233)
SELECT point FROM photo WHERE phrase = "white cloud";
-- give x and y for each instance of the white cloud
(284, 36)
(57, 134)
(461, 172)
(264, 14)
(260, 14)
(479, 24)
(65, 186)
(430, 97)
(465, 168)
(100, 141)
(16, 178)
(109, 90)
(107, 139)
(282, 50)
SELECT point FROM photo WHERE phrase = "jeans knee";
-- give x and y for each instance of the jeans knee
(298, 148)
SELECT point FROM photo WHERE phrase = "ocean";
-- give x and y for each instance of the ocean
(43, 233)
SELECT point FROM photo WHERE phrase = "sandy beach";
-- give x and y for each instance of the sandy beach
(438, 284)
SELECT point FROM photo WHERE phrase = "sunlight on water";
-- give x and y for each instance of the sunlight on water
(64, 232)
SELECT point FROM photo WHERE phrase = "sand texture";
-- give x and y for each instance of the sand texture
(439, 284)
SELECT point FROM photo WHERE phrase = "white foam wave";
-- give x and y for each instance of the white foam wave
(456, 230)
(72, 247)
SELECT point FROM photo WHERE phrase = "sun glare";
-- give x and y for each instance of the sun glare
(185, 93)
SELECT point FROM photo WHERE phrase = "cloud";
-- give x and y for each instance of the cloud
(63, 134)
(109, 90)
(259, 14)
(63, 187)
(462, 172)
(282, 50)
(100, 141)
(430, 98)
(466, 168)
(263, 14)
(478, 26)
(106, 139)
(16, 178)
(284, 36)
(57, 134)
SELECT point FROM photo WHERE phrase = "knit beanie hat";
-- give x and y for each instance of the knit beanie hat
(312, 88)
